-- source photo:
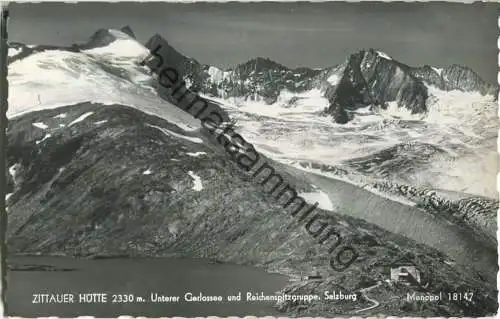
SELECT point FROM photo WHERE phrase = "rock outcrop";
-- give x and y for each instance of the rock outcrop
(454, 77)
(371, 78)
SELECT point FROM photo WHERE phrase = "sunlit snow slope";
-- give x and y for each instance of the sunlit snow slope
(109, 74)
(452, 146)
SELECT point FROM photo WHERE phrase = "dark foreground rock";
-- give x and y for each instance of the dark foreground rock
(120, 182)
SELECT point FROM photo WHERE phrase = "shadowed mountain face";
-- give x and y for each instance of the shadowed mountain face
(371, 78)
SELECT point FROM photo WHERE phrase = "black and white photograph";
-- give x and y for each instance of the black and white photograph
(283, 159)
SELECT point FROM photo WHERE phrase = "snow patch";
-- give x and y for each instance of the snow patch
(100, 122)
(173, 228)
(186, 127)
(8, 196)
(147, 172)
(197, 154)
(124, 47)
(13, 169)
(333, 79)
(41, 125)
(61, 116)
(197, 181)
(14, 51)
(187, 82)
(438, 70)
(217, 75)
(43, 139)
(318, 197)
(81, 118)
(168, 132)
(384, 55)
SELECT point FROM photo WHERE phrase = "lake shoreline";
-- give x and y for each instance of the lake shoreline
(138, 277)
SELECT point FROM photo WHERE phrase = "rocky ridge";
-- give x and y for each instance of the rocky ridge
(366, 78)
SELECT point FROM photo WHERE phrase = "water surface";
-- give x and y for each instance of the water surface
(141, 278)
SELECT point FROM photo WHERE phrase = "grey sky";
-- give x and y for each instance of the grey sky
(294, 34)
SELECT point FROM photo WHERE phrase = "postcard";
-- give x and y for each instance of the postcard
(283, 159)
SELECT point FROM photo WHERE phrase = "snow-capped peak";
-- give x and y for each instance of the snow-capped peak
(217, 75)
(107, 72)
(384, 55)
(124, 47)
(438, 70)
(333, 79)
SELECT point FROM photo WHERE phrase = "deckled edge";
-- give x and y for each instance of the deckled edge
(247, 1)
(3, 208)
(498, 172)
(265, 317)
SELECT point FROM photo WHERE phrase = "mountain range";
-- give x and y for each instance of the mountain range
(103, 164)
(366, 78)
